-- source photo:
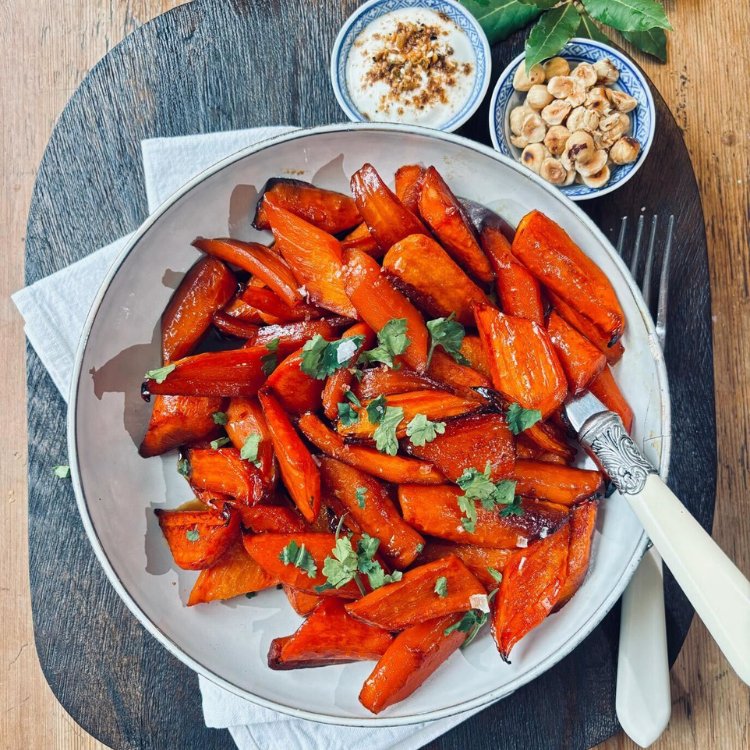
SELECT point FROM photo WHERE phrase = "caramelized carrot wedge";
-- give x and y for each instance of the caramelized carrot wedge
(291, 336)
(434, 511)
(548, 438)
(413, 599)
(408, 185)
(261, 519)
(472, 349)
(238, 309)
(409, 661)
(549, 253)
(462, 379)
(530, 589)
(302, 602)
(177, 420)
(582, 524)
(385, 381)
(517, 290)
(579, 358)
(328, 636)
(605, 388)
(232, 326)
(444, 215)
(237, 372)
(477, 559)
(198, 538)
(476, 440)
(258, 260)
(314, 257)
(236, 573)
(297, 391)
(223, 471)
(378, 301)
(388, 219)
(330, 211)
(368, 502)
(270, 303)
(298, 470)
(525, 368)
(564, 485)
(245, 418)
(388, 468)
(361, 239)
(525, 448)
(427, 275)
(206, 288)
(266, 550)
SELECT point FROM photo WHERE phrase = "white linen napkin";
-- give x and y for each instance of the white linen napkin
(54, 310)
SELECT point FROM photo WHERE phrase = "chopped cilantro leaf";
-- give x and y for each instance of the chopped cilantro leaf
(160, 374)
(352, 398)
(449, 334)
(342, 566)
(321, 358)
(496, 574)
(470, 623)
(421, 430)
(268, 363)
(392, 341)
(376, 409)
(385, 434)
(192, 535)
(219, 417)
(62, 471)
(347, 415)
(520, 419)
(183, 467)
(294, 554)
(273, 344)
(220, 442)
(478, 486)
(441, 587)
(360, 494)
(249, 451)
(345, 563)
(513, 508)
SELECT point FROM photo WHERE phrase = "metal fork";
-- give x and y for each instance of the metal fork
(643, 700)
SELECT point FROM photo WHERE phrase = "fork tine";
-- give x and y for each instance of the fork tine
(621, 236)
(637, 247)
(646, 285)
(661, 310)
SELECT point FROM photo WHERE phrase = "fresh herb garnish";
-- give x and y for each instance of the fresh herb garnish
(321, 358)
(219, 417)
(376, 410)
(347, 415)
(192, 535)
(360, 493)
(478, 486)
(352, 398)
(159, 375)
(183, 467)
(392, 341)
(385, 433)
(496, 574)
(341, 566)
(62, 471)
(273, 344)
(449, 334)
(512, 509)
(520, 419)
(268, 362)
(220, 442)
(421, 430)
(470, 623)
(441, 587)
(299, 557)
(249, 450)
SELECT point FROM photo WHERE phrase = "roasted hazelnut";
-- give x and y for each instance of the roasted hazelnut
(556, 112)
(598, 101)
(556, 66)
(533, 128)
(598, 179)
(538, 97)
(625, 150)
(578, 96)
(606, 72)
(560, 86)
(552, 171)
(579, 148)
(621, 101)
(585, 73)
(533, 156)
(556, 138)
(523, 81)
(593, 164)
(517, 116)
(581, 118)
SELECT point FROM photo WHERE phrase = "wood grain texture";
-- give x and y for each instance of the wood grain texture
(711, 707)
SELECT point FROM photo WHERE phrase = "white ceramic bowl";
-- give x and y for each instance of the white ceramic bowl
(117, 491)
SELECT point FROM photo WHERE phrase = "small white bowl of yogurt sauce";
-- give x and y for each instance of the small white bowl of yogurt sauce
(420, 62)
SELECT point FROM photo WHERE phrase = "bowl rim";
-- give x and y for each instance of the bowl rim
(492, 696)
(338, 85)
(498, 137)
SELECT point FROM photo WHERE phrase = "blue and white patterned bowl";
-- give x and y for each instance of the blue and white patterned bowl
(372, 10)
(631, 81)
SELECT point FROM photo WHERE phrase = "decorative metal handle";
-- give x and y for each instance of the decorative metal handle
(604, 435)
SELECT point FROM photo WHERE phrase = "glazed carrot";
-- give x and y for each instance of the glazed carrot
(472, 349)
(258, 260)
(385, 381)
(434, 511)
(297, 391)
(377, 302)
(302, 602)
(479, 560)
(549, 438)
(328, 636)
(427, 275)
(315, 258)
(369, 504)
(361, 239)
(461, 378)
(232, 326)
(530, 589)
(605, 388)
(236, 573)
(238, 309)
(582, 524)
(388, 219)
(369, 460)
(198, 538)
(407, 184)
(291, 336)
(330, 211)
(275, 519)
(204, 290)
(564, 485)
(245, 418)
(222, 470)
(414, 599)
(525, 448)
(270, 303)
(409, 661)
(579, 358)
(525, 368)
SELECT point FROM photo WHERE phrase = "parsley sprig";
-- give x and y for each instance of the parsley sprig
(478, 486)
(386, 440)
(296, 555)
(471, 622)
(249, 450)
(392, 341)
(321, 358)
(268, 362)
(160, 373)
(449, 334)
(520, 419)
(421, 430)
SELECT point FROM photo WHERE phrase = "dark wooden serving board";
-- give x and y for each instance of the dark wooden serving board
(218, 65)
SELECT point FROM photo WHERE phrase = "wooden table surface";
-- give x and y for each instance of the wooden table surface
(47, 47)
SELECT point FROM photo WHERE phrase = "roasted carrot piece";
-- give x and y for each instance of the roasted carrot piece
(477, 559)
(276, 519)
(326, 209)
(328, 636)
(549, 253)
(388, 219)
(315, 258)
(444, 215)
(564, 485)
(409, 661)
(524, 366)
(361, 239)
(480, 217)
(378, 301)
(302, 602)
(222, 470)
(297, 391)
(525, 448)
(270, 303)
(605, 388)
(258, 260)
(369, 503)
(298, 470)
(388, 468)
(580, 359)
(476, 440)
(413, 599)
(385, 381)
(236, 573)
(582, 524)
(407, 185)
(204, 290)
(232, 326)
(463, 379)
(237, 372)
(238, 309)
(549, 438)
(472, 349)
(517, 290)
(178, 420)
(291, 336)
(434, 511)
(266, 550)
(198, 538)
(245, 418)
(530, 589)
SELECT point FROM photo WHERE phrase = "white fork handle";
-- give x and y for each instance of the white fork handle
(643, 700)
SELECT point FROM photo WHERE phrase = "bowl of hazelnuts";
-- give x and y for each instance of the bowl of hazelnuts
(583, 120)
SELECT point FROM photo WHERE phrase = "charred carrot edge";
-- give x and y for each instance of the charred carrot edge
(232, 326)
(291, 336)
(407, 184)
(605, 388)
(582, 524)
(244, 418)
(580, 359)
(462, 379)
(270, 303)
(564, 485)
(262, 519)
(548, 438)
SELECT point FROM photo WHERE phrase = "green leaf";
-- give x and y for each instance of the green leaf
(321, 358)
(350, 396)
(478, 486)
(421, 430)
(268, 363)
(183, 467)
(299, 557)
(520, 419)
(249, 451)
(470, 623)
(342, 566)
(449, 334)
(589, 30)
(220, 443)
(347, 415)
(392, 341)
(514, 508)
(441, 587)
(376, 410)
(500, 18)
(273, 344)
(496, 574)
(367, 546)
(160, 374)
(628, 15)
(551, 33)
(385, 434)
(192, 535)
(219, 417)
(62, 471)
(541, 4)
(469, 508)
(652, 42)
(360, 493)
